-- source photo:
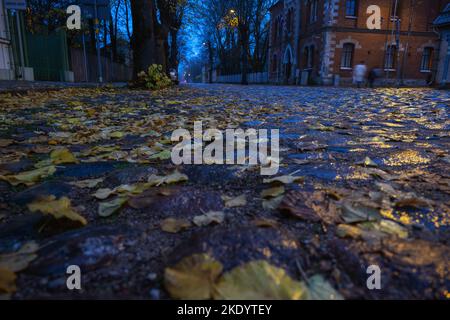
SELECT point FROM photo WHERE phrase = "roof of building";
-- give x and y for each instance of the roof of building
(444, 17)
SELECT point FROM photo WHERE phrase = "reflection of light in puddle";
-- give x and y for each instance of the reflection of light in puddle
(404, 158)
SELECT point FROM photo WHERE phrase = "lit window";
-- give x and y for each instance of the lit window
(427, 59)
(347, 55)
(350, 8)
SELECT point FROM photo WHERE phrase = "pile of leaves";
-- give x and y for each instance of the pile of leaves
(154, 78)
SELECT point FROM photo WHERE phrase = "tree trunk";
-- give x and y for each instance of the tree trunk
(244, 55)
(173, 60)
(144, 38)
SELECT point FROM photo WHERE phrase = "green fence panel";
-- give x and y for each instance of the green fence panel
(47, 55)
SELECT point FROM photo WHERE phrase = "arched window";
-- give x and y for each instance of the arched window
(390, 57)
(280, 29)
(347, 55)
(350, 8)
(427, 59)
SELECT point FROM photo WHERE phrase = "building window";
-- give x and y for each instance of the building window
(350, 8)
(309, 57)
(390, 57)
(313, 11)
(427, 59)
(347, 56)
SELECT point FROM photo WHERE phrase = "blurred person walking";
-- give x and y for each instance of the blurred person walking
(359, 74)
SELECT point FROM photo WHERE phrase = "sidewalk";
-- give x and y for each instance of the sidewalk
(20, 86)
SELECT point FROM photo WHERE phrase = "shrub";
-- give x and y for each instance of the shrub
(154, 79)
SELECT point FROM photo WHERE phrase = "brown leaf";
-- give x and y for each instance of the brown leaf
(172, 225)
(293, 204)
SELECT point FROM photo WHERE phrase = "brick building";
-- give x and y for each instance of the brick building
(331, 36)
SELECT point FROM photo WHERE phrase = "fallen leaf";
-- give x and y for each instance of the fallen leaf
(175, 177)
(367, 162)
(231, 202)
(193, 277)
(293, 204)
(258, 280)
(19, 260)
(57, 208)
(89, 183)
(265, 223)
(7, 281)
(107, 208)
(272, 192)
(172, 225)
(287, 179)
(116, 135)
(354, 212)
(387, 227)
(103, 193)
(163, 155)
(272, 204)
(62, 156)
(321, 289)
(6, 142)
(209, 218)
(29, 177)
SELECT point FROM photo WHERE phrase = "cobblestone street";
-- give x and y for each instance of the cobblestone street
(86, 178)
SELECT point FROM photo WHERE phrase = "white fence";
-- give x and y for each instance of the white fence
(259, 77)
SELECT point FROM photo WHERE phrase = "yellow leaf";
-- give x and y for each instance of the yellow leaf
(117, 134)
(193, 277)
(174, 177)
(19, 260)
(287, 179)
(172, 225)
(163, 155)
(258, 280)
(105, 209)
(57, 208)
(29, 177)
(321, 289)
(7, 281)
(62, 155)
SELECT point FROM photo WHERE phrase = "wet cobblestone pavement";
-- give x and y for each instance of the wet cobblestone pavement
(86, 179)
